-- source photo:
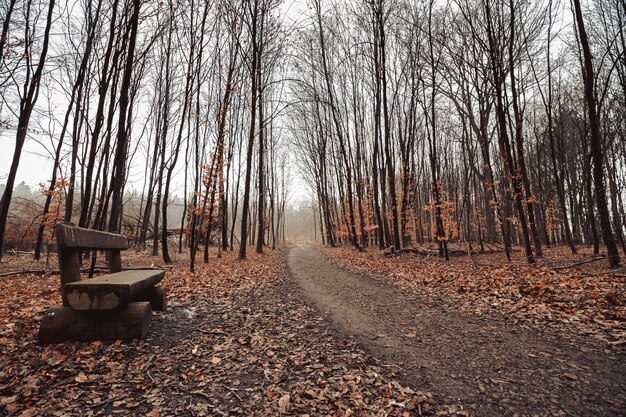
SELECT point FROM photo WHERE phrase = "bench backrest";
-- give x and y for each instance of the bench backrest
(79, 238)
(71, 240)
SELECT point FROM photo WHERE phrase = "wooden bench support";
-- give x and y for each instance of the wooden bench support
(71, 240)
(61, 324)
(110, 307)
(157, 296)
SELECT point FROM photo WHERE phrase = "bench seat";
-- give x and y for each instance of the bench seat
(109, 292)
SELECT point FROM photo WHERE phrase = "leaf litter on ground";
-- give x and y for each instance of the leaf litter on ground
(572, 293)
(236, 340)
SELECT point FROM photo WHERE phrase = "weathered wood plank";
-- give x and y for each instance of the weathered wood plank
(115, 261)
(69, 264)
(157, 296)
(70, 236)
(62, 324)
(109, 292)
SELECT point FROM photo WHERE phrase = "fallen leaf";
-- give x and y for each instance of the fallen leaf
(8, 400)
(283, 403)
(81, 378)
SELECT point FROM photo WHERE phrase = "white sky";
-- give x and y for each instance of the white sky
(36, 163)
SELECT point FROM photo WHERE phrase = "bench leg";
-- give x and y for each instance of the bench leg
(62, 324)
(157, 296)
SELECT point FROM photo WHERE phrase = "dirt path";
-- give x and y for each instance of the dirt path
(492, 368)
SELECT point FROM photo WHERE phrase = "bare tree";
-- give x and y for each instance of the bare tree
(29, 94)
(596, 139)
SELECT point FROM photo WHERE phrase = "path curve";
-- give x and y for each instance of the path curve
(491, 368)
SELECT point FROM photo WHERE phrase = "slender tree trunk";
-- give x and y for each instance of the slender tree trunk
(254, 11)
(80, 78)
(505, 147)
(338, 128)
(27, 104)
(596, 141)
(119, 172)
(261, 173)
(391, 175)
(103, 88)
(522, 173)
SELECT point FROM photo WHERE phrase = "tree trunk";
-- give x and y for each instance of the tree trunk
(27, 104)
(254, 11)
(596, 141)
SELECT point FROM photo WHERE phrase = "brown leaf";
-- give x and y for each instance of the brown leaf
(283, 403)
(81, 378)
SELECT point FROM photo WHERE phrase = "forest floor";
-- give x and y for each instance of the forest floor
(296, 333)
(237, 339)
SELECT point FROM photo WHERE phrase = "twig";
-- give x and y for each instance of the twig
(393, 366)
(25, 271)
(575, 264)
(233, 391)
(209, 332)
(469, 253)
(110, 400)
(149, 362)
(203, 395)
(62, 382)
(21, 252)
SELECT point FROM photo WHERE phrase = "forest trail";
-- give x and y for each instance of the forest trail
(490, 367)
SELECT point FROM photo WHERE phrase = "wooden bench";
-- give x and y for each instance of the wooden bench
(114, 306)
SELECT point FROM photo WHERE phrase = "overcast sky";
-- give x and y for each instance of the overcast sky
(36, 161)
